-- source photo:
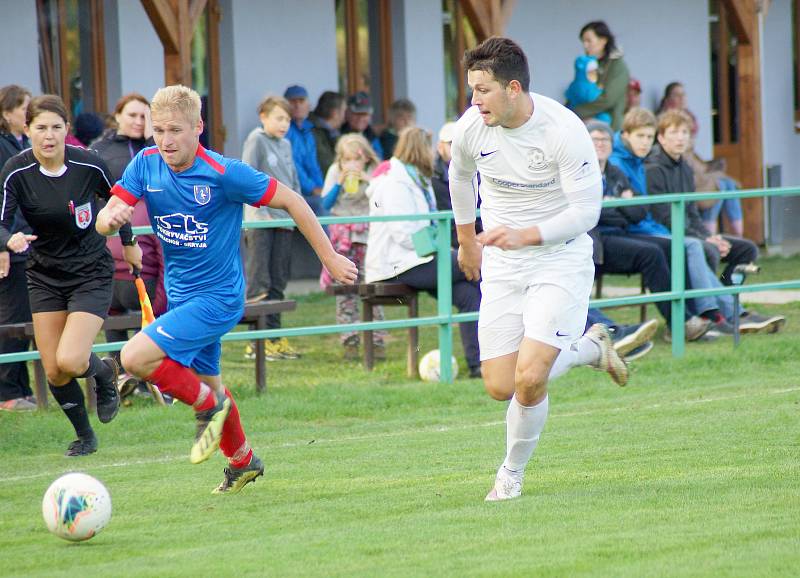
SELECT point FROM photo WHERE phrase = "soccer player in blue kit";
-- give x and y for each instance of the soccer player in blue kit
(194, 198)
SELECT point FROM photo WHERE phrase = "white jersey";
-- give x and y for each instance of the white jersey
(527, 173)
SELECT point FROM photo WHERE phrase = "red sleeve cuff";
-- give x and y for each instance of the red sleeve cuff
(125, 195)
(268, 194)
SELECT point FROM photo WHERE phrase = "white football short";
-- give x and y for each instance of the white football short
(544, 297)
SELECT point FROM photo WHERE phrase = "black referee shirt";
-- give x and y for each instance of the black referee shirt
(61, 209)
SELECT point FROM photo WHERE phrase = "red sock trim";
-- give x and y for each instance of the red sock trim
(176, 380)
(233, 438)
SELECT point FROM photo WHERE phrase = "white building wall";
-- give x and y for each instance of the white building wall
(267, 46)
(141, 55)
(419, 61)
(781, 142)
(19, 46)
(548, 32)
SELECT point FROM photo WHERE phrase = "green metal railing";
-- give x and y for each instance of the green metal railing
(444, 317)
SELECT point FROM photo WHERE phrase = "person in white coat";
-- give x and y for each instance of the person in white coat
(403, 187)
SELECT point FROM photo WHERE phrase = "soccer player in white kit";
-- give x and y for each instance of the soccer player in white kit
(541, 191)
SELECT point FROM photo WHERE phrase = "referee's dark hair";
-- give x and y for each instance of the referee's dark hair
(46, 103)
(328, 103)
(11, 97)
(503, 58)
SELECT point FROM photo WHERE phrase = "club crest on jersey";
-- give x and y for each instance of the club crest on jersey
(536, 159)
(202, 194)
(83, 215)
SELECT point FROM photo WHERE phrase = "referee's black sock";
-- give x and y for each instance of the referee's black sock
(97, 369)
(70, 398)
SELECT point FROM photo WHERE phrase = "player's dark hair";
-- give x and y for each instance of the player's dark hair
(601, 29)
(11, 97)
(130, 97)
(328, 103)
(46, 103)
(503, 58)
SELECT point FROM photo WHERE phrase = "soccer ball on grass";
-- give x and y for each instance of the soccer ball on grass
(76, 507)
(430, 367)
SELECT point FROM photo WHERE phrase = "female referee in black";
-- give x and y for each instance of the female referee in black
(70, 269)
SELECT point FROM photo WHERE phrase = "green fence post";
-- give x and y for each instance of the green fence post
(444, 298)
(678, 212)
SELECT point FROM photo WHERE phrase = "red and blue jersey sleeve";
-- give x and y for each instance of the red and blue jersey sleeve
(244, 184)
(131, 187)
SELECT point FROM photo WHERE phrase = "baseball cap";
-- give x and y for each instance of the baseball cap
(295, 91)
(447, 132)
(359, 103)
(634, 85)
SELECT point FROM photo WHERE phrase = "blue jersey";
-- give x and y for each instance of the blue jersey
(197, 216)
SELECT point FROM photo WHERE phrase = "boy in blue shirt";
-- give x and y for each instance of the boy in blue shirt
(194, 198)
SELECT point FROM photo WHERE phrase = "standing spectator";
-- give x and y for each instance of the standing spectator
(88, 127)
(304, 147)
(634, 94)
(70, 270)
(269, 251)
(402, 114)
(15, 391)
(345, 195)
(359, 120)
(584, 88)
(598, 41)
(404, 190)
(674, 98)
(328, 118)
(117, 148)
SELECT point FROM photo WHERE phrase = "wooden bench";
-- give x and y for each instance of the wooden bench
(255, 317)
(387, 294)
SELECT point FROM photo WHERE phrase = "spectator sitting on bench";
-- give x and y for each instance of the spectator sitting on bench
(668, 172)
(405, 189)
(345, 196)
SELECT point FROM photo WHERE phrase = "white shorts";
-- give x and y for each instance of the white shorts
(543, 297)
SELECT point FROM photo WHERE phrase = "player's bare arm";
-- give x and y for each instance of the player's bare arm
(340, 267)
(470, 251)
(115, 214)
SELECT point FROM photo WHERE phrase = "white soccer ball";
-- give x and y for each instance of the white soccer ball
(76, 507)
(430, 366)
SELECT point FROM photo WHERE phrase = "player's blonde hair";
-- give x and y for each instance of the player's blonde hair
(177, 98)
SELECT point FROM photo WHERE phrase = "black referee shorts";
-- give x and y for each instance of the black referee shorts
(88, 290)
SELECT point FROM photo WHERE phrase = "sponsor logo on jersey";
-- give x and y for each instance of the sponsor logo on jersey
(83, 215)
(182, 230)
(537, 159)
(202, 194)
(483, 154)
(152, 190)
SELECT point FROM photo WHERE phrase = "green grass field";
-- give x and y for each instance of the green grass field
(692, 470)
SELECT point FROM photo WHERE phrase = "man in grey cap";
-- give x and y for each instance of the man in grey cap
(359, 119)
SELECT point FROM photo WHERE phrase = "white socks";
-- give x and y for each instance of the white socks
(582, 352)
(523, 426)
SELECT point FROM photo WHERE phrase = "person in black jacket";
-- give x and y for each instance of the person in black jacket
(15, 390)
(70, 269)
(668, 172)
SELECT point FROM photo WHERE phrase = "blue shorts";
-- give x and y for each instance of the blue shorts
(190, 332)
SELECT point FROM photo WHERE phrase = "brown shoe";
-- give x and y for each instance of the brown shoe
(695, 327)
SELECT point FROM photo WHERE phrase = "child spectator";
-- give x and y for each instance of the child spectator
(345, 195)
(583, 88)
(269, 250)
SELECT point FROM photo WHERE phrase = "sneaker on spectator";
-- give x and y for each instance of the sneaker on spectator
(626, 338)
(271, 351)
(18, 404)
(639, 352)
(256, 298)
(751, 322)
(705, 335)
(695, 327)
(720, 327)
(285, 349)
(351, 351)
